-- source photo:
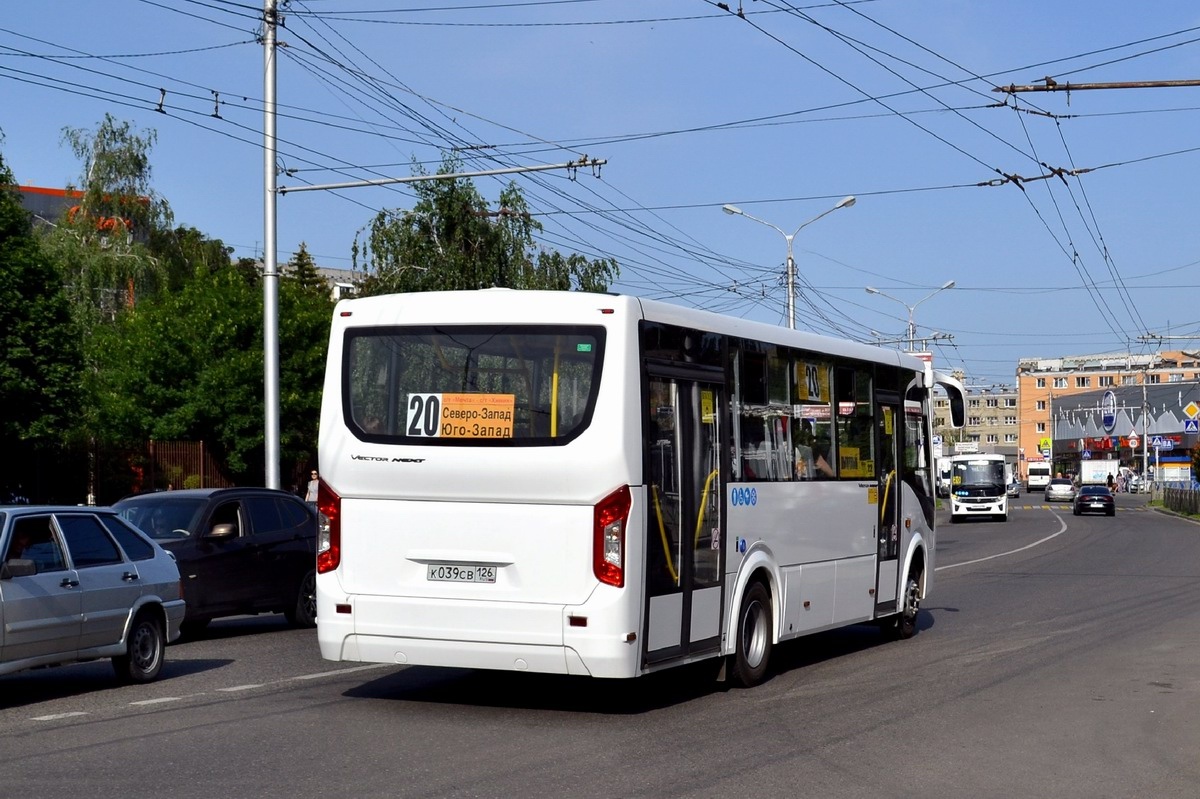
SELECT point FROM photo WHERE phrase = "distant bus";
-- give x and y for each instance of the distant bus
(591, 484)
(978, 487)
(1037, 475)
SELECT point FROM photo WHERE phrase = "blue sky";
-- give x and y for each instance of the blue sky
(782, 110)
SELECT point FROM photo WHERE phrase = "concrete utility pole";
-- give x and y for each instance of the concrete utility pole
(270, 257)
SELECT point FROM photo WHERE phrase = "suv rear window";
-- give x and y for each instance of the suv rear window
(478, 385)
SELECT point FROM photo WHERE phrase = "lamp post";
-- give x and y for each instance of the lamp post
(912, 327)
(845, 202)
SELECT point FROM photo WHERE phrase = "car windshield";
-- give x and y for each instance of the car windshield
(162, 516)
(1060, 482)
(1094, 490)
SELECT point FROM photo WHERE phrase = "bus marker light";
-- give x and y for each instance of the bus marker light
(577, 621)
(341, 608)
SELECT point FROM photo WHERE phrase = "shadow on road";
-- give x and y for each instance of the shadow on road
(662, 689)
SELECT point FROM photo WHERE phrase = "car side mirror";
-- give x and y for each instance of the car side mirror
(18, 567)
(221, 531)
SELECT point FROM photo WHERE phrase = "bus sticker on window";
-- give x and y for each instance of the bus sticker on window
(460, 415)
(583, 347)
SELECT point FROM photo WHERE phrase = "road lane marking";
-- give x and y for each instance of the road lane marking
(338, 672)
(57, 716)
(159, 701)
(246, 687)
(1062, 529)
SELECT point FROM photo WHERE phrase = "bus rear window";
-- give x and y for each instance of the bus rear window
(477, 385)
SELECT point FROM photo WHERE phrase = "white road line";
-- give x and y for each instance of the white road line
(1062, 529)
(57, 716)
(246, 687)
(159, 701)
(337, 672)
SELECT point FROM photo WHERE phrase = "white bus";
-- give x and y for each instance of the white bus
(591, 484)
(978, 487)
(1037, 475)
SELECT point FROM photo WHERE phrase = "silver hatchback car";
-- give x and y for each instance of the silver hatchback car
(1060, 489)
(80, 583)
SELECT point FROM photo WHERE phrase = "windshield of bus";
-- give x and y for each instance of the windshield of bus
(487, 385)
(978, 473)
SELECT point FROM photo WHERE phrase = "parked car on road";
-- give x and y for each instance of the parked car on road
(240, 550)
(79, 583)
(1095, 499)
(1014, 489)
(1060, 489)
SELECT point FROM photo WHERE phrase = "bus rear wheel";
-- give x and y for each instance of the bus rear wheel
(753, 637)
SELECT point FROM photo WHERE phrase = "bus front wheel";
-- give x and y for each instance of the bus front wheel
(904, 625)
(753, 637)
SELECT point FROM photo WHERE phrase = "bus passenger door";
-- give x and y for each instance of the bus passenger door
(684, 530)
(889, 422)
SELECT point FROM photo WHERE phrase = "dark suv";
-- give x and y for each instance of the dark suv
(240, 550)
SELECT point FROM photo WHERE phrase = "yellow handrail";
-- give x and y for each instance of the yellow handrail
(662, 531)
(703, 506)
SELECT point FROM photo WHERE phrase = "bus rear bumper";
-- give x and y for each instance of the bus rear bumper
(534, 638)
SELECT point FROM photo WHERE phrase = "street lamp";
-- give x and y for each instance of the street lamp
(912, 327)
(845, 202)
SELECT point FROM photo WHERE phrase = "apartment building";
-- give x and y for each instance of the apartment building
(1043, 383)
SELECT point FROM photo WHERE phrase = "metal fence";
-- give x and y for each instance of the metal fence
(181, 464)
(1180, 497)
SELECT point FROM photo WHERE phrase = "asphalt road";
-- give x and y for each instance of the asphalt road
(1058, 657)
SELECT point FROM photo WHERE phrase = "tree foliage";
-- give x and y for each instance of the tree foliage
(450, 240)
(189, 365)
(39, 349)
(101, 241)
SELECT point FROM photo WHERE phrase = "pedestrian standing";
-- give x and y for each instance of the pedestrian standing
(310, 496)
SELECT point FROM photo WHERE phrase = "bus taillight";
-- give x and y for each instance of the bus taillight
(329, 528)
(610, 516)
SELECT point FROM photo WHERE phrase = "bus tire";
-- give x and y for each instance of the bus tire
(753, 652)
(904, 625)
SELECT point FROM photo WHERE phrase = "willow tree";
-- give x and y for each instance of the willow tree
(101, 239)
(452, 239)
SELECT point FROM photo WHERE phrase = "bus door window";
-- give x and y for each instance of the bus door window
(916, 469)
(855, 425)
(684, 526)
(663, 553)
(888, 425)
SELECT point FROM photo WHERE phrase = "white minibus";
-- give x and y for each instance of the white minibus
(593, 484)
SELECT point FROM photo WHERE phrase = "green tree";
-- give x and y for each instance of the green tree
(40, 356)
(101, 241)
(189, 365)
(452, 240)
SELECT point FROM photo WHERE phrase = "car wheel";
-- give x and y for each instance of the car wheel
(1077, 512)
(144, 650)
(753, 637)
(1112, 512)
(304, 609)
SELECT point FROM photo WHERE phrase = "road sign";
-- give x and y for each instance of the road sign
(1134, 441)
(937, 440)
(1192, 410)
(1191, 426)
(1166, 446)
(1086, 455)
(1045, 453)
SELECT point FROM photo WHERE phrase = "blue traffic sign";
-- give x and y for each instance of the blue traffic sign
(1086, 455)
(1191, 425)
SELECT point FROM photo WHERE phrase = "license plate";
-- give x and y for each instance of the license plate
(461, 573)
